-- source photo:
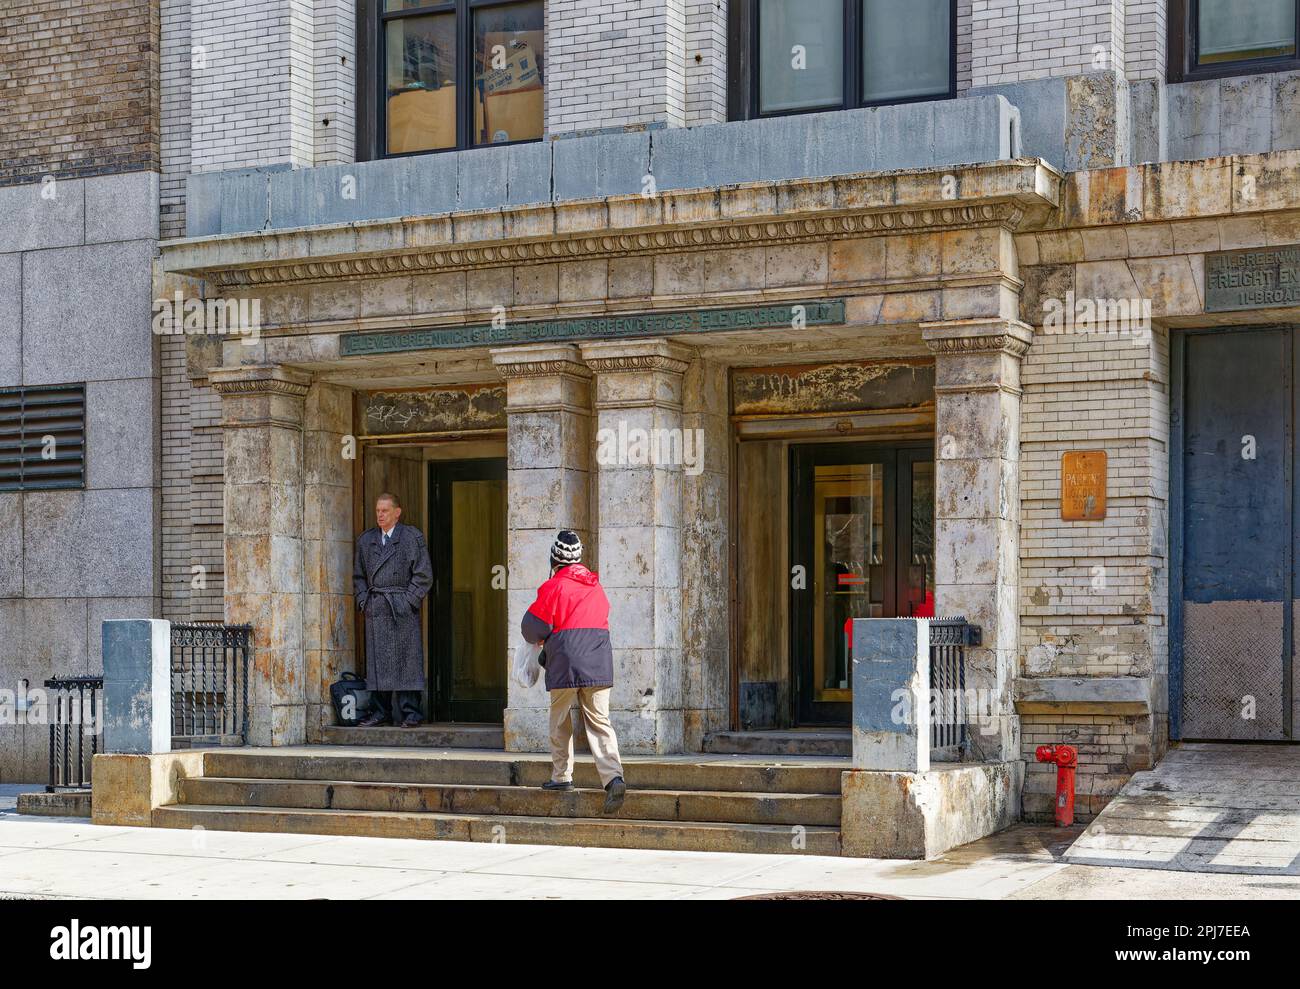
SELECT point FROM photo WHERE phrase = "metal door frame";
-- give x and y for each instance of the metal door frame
(1177, 521)
(438, 643)
(896, 459)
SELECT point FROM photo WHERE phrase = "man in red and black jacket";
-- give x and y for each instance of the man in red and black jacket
(571, 618)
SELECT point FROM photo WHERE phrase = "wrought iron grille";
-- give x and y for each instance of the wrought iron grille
(75, 709)
(949, 721)
(210, 683)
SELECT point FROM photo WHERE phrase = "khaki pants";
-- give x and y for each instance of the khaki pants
(594, 702)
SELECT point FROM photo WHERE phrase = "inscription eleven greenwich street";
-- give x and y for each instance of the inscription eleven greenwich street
(817, 313)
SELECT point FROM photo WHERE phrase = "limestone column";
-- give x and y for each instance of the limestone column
(977, 509)
(638, 405)
(330, 617)
(548, 440)
(706, 554)
(262, 410)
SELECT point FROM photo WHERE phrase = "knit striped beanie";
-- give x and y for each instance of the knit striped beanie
(566, 549)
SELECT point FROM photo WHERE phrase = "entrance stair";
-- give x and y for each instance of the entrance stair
(795, 741)
(438, 735)
(702, 802)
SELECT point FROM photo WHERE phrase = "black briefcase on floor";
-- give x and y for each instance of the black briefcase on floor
(351, 700)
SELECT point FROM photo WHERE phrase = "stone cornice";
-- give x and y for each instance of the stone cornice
(1013, 194)
(260, 380)
(637, 362)
(978, 337)
(645, 356)
(541, 369)
(539, 360)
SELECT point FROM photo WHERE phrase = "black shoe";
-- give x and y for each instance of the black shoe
(373, 721)
(614, 794)
(561, 787)
(412, 721)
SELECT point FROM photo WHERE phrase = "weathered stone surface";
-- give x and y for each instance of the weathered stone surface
(65, 803)
(122, 420)
(891, 684)
(122, 207)
(11, 544)
(97, 542)
(1112, 694)
(40, 216)
(137, 660)
(922, 815)
(11, 302)
(100, 610)
(86, 313)
(127, 788)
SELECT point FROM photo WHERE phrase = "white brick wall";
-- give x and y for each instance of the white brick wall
(251, 83)
(1013, 40)
(1146, 42)
(334, 78)
(1093, 597)
(175, 112)
(706, 62)
(964, 25)
(616, 63)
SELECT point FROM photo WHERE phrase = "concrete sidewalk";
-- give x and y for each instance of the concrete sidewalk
(61, 857)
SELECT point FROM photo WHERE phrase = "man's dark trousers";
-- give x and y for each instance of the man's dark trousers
(407, 703)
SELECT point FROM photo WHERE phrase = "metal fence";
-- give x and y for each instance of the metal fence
(949, 731)
(75, 709)
(210, 684)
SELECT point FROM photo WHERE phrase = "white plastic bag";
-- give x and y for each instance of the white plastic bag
(526, 668)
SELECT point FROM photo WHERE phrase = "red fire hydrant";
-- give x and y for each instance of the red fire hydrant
(1066, 758)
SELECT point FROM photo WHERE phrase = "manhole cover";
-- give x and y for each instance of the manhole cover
(819, 894)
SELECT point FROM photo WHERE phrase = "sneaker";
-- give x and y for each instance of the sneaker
(562, 786)
(614, 794)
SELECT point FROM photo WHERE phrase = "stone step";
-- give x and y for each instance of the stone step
(482, 767)
(518, 801)
(588, 832)
(454, 735)
(814, 743)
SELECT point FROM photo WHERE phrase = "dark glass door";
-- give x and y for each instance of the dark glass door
(862, 536)
(467, 620)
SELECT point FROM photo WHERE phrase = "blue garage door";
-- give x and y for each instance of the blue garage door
(1233, 535)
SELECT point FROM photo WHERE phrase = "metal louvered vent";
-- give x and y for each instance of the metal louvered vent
(42, 437)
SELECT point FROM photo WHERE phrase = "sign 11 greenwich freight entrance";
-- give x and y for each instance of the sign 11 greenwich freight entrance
(654, 324)
(1259, 278)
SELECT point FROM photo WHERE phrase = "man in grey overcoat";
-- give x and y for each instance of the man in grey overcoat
(390, 578)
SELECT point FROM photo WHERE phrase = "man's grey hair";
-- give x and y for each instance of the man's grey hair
(390, 498)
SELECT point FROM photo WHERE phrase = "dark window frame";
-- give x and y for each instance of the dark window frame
(372, 74)
(743, 59)
(27, 429)
(1183, 18)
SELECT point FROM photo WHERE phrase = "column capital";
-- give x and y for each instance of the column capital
(535, 360)
(261, 395)
(260, 379)
(963, 337)
(637, 356)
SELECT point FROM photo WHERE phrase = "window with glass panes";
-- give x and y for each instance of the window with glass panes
(1210, 38)
(459, 74)
(809, 55)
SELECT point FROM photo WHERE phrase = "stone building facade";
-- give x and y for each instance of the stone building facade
(79, 370)
(859, 303)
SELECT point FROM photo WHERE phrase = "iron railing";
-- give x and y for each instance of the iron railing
(949, 723)
(75, 708)
(210, 683)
